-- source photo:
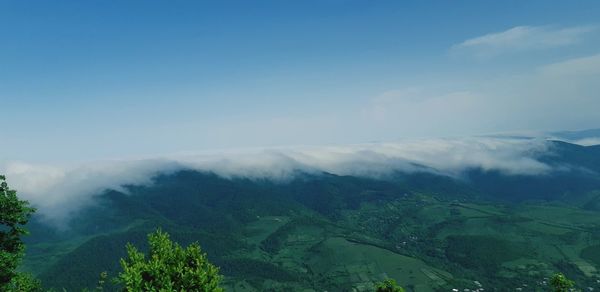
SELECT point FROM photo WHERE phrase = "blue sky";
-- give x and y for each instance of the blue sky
(88, 80)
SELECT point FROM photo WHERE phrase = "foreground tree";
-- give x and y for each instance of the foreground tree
(14, 214)
(560, 283)
(388, 285)
(169, 267)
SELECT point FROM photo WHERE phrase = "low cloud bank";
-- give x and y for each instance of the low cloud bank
(58, 191)
(587, 141)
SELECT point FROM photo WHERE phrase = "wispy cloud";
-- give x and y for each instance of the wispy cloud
(524, 38)
(580, 67)
(557, 95)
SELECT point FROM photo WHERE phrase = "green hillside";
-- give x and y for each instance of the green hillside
(338, 233)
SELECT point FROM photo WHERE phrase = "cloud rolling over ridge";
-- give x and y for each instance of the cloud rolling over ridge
(58, 191)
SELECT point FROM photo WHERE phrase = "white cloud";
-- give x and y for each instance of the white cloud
(592, 141)
(524, 38)
(58, 192)
(561, 95)
(588, 141)
(579, 67)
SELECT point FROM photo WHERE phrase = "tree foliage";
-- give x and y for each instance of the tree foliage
(560, 283)
(169, 267)
(14, 214)
(23, 282)
(388, 285)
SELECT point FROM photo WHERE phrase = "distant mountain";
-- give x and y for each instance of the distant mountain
(576, 135)
(575, 172)
(336, 233)
(572, 155)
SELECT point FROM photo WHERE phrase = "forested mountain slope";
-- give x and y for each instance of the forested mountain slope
(323, 231)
